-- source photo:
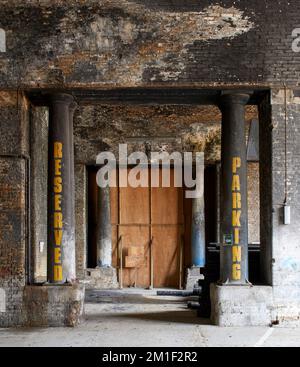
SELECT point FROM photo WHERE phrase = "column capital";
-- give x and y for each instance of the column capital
(73, 106)
(60, 97)
(229, 98)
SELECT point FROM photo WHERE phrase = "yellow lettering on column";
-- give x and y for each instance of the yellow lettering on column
(236, 200)
(236, 271)
(236, 218)
(57, 203)
(236, 184)
(58, 220)
(236, 254)
(57, 166)
(236, 236)
(57, 255)
(57, 185)
(58, 275)
(58, 236)
(236, 163)
(58, 150)
(57, 215)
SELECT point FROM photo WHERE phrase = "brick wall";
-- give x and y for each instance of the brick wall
(285, 239)
(13, 228)
(39, 185)
(152, 42)
(113, 43)
(188, 128)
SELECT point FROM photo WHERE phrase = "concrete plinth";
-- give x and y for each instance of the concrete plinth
(241, 305)
(101, 278)
(193, 275)
(54, 305)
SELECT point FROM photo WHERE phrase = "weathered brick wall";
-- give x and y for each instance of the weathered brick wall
(39, 186)
(122, 43)
(285, 240)
(13, 228)
(14, 129)
(148, 42)
(183, 128)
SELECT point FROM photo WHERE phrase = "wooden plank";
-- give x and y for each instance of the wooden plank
(136, 251)
(134, 261)
(167, 204)
(114, 205)
(114, 236)
(136, 236)
(114, 215)
(167, 219)
(166, 256)
(134, 224)
(135, 205)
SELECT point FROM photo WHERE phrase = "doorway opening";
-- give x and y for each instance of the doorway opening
(150, 230)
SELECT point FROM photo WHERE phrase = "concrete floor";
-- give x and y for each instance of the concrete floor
(138, 318)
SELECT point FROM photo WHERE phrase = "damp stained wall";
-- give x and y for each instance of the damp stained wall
(109, 43)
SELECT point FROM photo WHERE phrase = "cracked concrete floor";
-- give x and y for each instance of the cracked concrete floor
(138, 318)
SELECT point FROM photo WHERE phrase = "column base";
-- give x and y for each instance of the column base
(101, 278)
(241, 305)
(54, 305)
(193, 275)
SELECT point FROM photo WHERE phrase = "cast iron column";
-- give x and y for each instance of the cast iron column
(73, 107)
(234, 211)
(61, 243)
(198, 224)
(104, 241)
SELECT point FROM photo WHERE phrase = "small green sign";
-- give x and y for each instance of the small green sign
(228, 240)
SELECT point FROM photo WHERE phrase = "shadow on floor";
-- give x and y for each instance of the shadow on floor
(181, 316)
(117, 297)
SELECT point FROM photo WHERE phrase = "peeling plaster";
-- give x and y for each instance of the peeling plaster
(171, 33)
(117, 42)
